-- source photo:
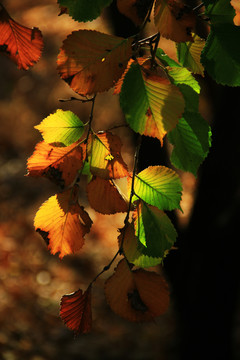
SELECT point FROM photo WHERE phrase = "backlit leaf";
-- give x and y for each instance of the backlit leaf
(76, 311)
(191, 139)
(91, 62)
(61, 128)
(236, 5)
(189, 54)
(154, 230)
(84, 10)
(58, 164)
(174, 20)
(58, 220)
(151, 104)
(104, 197)
(23, 45)
(158, 186)
(137, 295)
(105, 157)
(136, 10)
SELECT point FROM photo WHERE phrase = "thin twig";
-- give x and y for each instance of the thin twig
(72, 98)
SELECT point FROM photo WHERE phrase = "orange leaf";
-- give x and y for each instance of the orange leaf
(63, 223)
(105, 157)
(137, 295)
(236, 5)
(136, 10)
(91, 62)
(59, 164)
(104, 197)
(76, 311)
(21, 44)
(174, 20)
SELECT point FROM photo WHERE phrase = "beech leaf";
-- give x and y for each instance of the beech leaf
(61, 128)
(84, 10)
(158, 186)
(91, 62)
(58, 220)
(22, 45)
(105, 157)
(104, 197)
(174, 20)
(59, 164)
(135, 10)
(151, 104)
(189, 54)
(76, 311)
(137, 295)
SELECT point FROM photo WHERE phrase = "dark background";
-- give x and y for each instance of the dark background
(203, 320)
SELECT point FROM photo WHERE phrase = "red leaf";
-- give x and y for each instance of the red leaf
(21, 44)
(76, 311)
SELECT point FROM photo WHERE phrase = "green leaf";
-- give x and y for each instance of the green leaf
(158, 186)
(181, 75)
(189, 55)
(154, 231)
(191, 139)
(219, 12)
(62, 128)
(84, 10)
(165, 59)
(151, 104)
(220, 56)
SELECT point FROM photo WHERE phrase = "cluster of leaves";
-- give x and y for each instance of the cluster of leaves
(159, 98)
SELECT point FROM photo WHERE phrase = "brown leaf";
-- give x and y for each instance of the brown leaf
(137, 295)
(104, 197)
(76, 311)
(91, 62)
(136, 10)
(59, 164)
(174, 20)
(23, 45)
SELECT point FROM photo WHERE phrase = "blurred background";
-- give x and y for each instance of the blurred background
(32, 281)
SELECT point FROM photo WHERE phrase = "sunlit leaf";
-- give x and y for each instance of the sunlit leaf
(136, 10)
(104, 197)
(174, 20)
(23, 45)
(76, 311)
(91, 62)
(84, 10)
(137, 295)
(189, 54)
(104, 152)
(61, 128)
(191, 139)
(158, 186)
(58, 221)
(58, 164)
(151, 104)
(236, 5)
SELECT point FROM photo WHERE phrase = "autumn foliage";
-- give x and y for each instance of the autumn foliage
(160, 99)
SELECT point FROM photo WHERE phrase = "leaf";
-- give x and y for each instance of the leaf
(136, 10)
(191, 139)
(76, 311)
(105, 157)
(22, 45)
(84, 10)
(63, 223)
(138, 295)
(61, 128)
(174, 20)
(57, 164)
(91, 62)
(140, 255)
(151, 104)
(236, 5)
(104, 197)
(189, 54)
(219, 56)
(154, 230)
(158, 186)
